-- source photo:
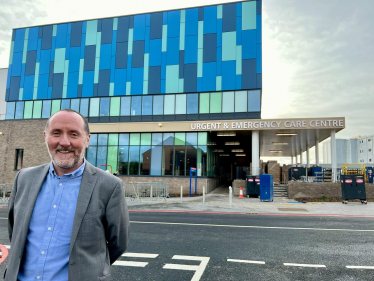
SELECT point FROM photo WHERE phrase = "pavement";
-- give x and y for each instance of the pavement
(218, 201)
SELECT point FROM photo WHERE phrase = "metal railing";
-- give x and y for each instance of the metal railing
(147, 190)
(5, 190)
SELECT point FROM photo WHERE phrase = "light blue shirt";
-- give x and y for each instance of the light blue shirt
(47, 245)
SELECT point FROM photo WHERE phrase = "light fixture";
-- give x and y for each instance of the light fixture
(286, 134)
(226, 134)
(280, 143)
(224, 155)
(232, 143)
(240, 154)
(237, 150)
(211, 143)
(160, 124)
(276, 151)
(218, 150)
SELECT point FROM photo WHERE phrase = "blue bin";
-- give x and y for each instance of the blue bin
(266, 187)
(370, 174)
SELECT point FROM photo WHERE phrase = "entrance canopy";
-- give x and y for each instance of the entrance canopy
(278, 137)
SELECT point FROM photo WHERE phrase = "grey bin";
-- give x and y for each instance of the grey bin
(353, 187)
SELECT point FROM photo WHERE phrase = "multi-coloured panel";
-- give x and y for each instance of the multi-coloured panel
(213, 48)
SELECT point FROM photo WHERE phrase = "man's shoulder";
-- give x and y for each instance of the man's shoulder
(104, 176)
(32, 171)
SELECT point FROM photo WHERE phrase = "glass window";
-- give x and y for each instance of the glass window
(65, 104)
(156, 155)
(167, 160)
(123, 160)
(27, 114)
(91, 155)
(93, 139)
(146, 138)
(204, 103)
(215, 102)
(135, 139)
(123, 139)
(180, 139)
(169, 104)
(179, 160)
(157, 139)
(94, 107)
(19, 159)
(181, 104)
(202, 138)
(113, 139)
(115, 105)
(228, 102)
(136, 105)
(168, 139)
(145, 160)
(74, 105)
(191, 154)
(101, 157)
(254, 100)
(19, 109)
(134, 160)
(147, 105)
(241, 101)
(201, 161)
(125, 106)
(56, 106)
(84, 107)
(192, 103)
(104, 106)
(10, 110)
(103, 139)
(46, 109)
(191, 138)
(158, 105)
(112, 158)
(37, 112)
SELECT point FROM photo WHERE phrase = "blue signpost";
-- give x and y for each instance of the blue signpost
(193, 170)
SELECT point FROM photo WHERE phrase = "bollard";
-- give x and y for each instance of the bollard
(203, 194)
(181, 193)
(151, 193)
(230, 195)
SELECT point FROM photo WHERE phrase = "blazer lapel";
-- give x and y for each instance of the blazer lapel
(33, 195)
(89, 179)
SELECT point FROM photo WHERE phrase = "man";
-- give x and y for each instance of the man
(67, 220)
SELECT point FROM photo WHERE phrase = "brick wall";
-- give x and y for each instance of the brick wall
(236, 184)
(317, 189)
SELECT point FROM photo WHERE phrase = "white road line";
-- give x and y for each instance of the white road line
(359, 267)
(198, 268)
(305, 265)
(140, 255)
(253, 226)
(7, 246)
(246, 261)
(131, 263)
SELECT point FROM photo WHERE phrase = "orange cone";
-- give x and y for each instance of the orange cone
(241, 193)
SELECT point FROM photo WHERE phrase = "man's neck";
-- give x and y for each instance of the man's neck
(61, 171)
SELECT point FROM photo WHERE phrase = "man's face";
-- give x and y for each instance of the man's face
(66, 140)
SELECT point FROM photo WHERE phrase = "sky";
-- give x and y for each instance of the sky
(318, 56)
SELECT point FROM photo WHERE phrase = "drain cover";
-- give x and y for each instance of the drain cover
(292, 210)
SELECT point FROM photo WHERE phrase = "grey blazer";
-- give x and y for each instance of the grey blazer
(100, 229)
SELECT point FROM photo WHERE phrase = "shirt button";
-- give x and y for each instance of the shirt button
(60, 184)
(54, 206)
(38, 277)
(43, 253)
(49, 228)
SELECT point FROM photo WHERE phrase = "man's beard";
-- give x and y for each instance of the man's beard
(64, 164)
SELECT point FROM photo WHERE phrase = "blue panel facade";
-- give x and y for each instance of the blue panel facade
(215, 48)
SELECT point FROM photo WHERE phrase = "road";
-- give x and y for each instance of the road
(200, 246)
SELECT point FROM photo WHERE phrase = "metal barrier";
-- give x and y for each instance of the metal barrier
(147, 190)
(5, 190)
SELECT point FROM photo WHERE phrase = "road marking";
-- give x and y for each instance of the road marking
(7, 246)
(198, 268)
(131, 263)
(253, 226)
(3, 218)
(246, 261)
(305, 265)
(140, 255)
(359, 267)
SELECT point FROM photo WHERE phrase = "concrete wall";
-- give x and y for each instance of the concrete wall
(318, 189)
(236, 184)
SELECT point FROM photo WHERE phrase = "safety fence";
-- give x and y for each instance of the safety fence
(158, 190)
(5, 190)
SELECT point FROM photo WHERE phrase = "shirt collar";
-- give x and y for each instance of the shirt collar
(78, 172)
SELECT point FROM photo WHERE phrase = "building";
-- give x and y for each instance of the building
(3, 79)
(163, 92)
(365, 149)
